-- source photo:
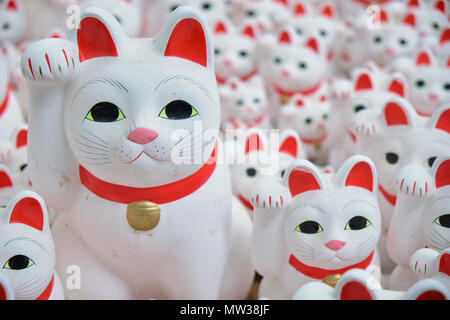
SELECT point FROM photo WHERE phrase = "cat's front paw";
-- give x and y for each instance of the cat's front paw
(269, 194)
(423, 262)
(6, 150)
(341, 90)
(413, 181)
(364, 123)
(50, 59)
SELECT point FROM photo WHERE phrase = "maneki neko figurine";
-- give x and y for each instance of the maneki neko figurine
(27, 253)
(420, 220)
(357, 284)
(315, 225)
(123, 145)
(13, 21)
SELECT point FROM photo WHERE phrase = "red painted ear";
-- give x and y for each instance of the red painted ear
(282, 2)
(28, 211)
(383, 17)
(395, 115)
(290, 147)
(413, 3)
(2, 293)
(423, 59)
(21, 138)
(355, 291)
(444, 264)
(299, 9)
(253, 143)
(94, 40)
(364, 82)
(443, 122)
(12, 5)
(302, 180)
(410, 20)
(440, 6)
(5, 180)
(431, 295)
(188, 41)
(249, 31)
(442, 176)
(397, 86)
(220, 28)
(445, 36)
(328, 11)
(360, 175)
(284, 37)
(313, 44)
(447, 64)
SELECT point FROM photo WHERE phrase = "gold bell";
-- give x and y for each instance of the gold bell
(285, 99)
(332, 279)
(143, 215)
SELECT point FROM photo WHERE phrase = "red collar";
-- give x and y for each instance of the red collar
(389, 197)
(306, 92)
(159, 195)
(245, 202)
(45, 295)
(423, 114)
(257, 121)
(318, 273)
(314, 141)
(5, 101)
(243, 78)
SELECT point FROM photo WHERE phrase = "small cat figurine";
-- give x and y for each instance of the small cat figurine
(308, 116)
(13, 22)
(331, 224)
(113, 146)
(234, 51)
(27, 254)
(357, 284)
(420, 217)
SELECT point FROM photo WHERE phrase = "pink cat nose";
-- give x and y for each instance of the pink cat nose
(389, 51)
(142, 135)
(227, 62)
(433, 96)
(285, 73)
(335, 245)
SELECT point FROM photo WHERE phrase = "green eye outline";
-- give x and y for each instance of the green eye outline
(163, 114)
(30, 264)
(89, 117)
(438, 222)
(318, 231)
(368, 223)
(427, 162)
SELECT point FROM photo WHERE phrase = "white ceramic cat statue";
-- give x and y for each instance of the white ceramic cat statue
(420, 218)
(27, 254)
(331, 224)
(13, 22)
(357, 284)
(113, 145)
(429, 263)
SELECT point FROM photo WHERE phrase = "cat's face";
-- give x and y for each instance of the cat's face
(27, 256)
(123, 127)
(350, 49)
(211, 10)
(431, 20)
(332, 221)
(12, 21)
(264, 13)
(234, 51)
(294, 68)
(18, 163)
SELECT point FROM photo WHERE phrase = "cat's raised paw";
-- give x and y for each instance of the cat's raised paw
(49, 59)
(423, 262)
(270, 195)
(6, 150)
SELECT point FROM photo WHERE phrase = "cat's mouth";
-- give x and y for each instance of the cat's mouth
(143, 153)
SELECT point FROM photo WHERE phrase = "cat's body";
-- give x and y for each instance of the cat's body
(331, 224)
(135, 146)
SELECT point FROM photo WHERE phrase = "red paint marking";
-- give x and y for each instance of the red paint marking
(415, 267)
(270, 200)
(245, 202)
(31, 68)
(414, 188)
(48, 63)
(28, 211)
(67, 60)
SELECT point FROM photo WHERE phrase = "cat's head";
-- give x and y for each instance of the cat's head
(234, 50)
(27, 254)
(431, 17)
(18, 163)
(211, 10)
(134, 105)
(392, 39)
(291, 67)
(333, 220)
(407, 139)
(350, 45)
(13, 21)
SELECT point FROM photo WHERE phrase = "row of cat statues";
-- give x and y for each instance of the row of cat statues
(175, 149)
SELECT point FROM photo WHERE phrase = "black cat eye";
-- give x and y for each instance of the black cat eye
(251, 172)
(391, 157)
(443, 221)
(178, 110)
(357, 223)
(105, 112)
(18, 262)
(358, 108)
(309, 227)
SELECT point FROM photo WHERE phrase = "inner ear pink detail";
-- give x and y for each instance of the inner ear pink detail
(328, 11)
(290, 147)
(397, 87)
(28, 211)
(355, 291)
(187, 41)
(220, 28)
(383, 16)
(360, 176)
(442, 177)
(413, 4)
(443, 122)
(248, 31)
(440, 6)
(301, 180)
(94, 40)
(410, 20)
(445, 36)
(5, 180)
(312, 43)
(364, 82)
(395, 115)
(21, 138)
(299, 9)
(431, 295)
(12, 5)
(423, 59)
(284, 37)
(253, 143)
